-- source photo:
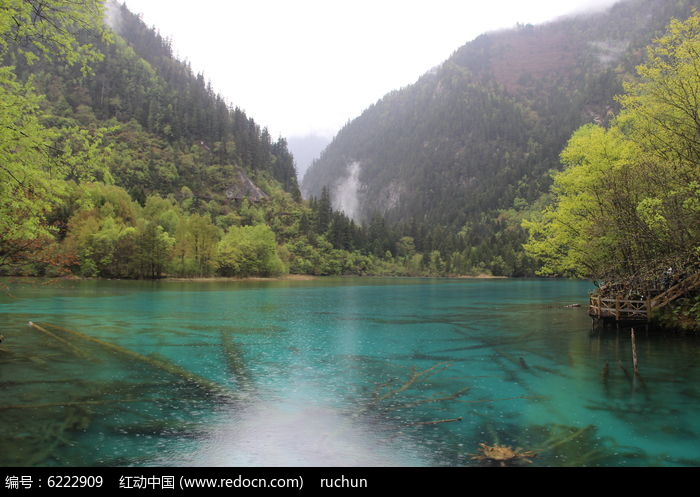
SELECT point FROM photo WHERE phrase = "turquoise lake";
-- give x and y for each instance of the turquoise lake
(335, 372)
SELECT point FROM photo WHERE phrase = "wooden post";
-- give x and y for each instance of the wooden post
(635, 360)
(648, 307)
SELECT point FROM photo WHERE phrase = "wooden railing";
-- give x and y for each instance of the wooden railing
(621, 308)
(618, 308)
(676, 291)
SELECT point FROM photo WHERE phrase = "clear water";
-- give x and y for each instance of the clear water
(335, 372)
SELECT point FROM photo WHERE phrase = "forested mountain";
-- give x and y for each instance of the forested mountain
(456, 157)
(174, 130)
(117, 161)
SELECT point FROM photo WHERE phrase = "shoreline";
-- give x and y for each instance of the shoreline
(288, 277)
(483, 277)
(310, 277)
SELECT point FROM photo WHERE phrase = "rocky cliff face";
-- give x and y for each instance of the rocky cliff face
(243, 188)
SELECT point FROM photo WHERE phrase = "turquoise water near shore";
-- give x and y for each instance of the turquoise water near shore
(336, 372)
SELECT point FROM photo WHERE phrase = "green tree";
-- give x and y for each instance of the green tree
(27, 187)
(629, 201)
(195, 246)
(154, 250)
(47, 28)
(406, 247)
(101, 233)
(32, 169)
(324, 212)
(579, 234)
(249, 251)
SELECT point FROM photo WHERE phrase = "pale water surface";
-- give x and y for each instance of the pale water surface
(339, 372)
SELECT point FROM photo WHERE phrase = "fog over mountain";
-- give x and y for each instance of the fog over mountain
(480, 132)
(309, 66)
(305, 150)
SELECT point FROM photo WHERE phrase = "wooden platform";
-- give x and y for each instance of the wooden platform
(621, 308)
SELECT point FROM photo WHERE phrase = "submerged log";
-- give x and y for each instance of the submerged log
(235, 362)
(482, 401)
(568, 438)
(433, 400)
(439, 421)
(161, 364)
(415, 376)
(635, 360)
(624, 369)
(75, 350)
(73, 404)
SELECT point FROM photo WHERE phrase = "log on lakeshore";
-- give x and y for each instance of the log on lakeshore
(169, 367)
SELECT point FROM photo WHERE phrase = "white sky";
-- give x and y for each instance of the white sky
(309, 66)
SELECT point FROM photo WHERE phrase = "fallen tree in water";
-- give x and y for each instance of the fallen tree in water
(161, 364)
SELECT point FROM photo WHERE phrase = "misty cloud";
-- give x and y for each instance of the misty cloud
(306, 149)
(113, 16)
(591, 6)
(316, 44)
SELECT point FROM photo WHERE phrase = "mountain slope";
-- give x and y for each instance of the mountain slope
(481, 132)
(168, 127)
(121, 163)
